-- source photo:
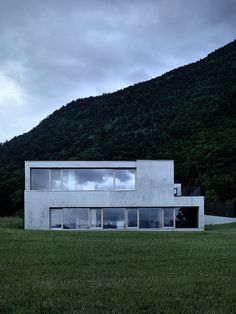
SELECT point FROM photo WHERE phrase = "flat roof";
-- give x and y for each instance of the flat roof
(86, 164)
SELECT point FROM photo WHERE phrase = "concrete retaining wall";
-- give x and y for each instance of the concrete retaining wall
(216, 220)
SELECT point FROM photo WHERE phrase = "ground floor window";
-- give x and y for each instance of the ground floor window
(150, 218)
(168, 217)
(113, 218)
(96, 217)
(186, 217)
(132, 217)
(124, 218)
(56, 220)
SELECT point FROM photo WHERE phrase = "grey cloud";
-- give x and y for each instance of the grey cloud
(54, 51)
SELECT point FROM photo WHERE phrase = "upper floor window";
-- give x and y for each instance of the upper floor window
(82, 179)
(39, 179)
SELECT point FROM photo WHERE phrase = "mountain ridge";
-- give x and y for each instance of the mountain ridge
(186, 114)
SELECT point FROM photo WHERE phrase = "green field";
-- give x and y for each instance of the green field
(117, 272)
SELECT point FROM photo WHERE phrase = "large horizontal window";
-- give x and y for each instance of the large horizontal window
(82, 179)
(122, 218)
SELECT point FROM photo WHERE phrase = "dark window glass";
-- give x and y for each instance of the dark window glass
(132, 217)
(39, 179)
(150, 218)
(168, 217)
(113, 218)
(186, 217)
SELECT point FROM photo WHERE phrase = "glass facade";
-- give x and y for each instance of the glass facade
(82, 179)
(122, 218)
(132, 217)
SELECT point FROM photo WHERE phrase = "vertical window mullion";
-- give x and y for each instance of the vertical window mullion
(162, 218)
(137, 217)
(49, 180)
(174, 216)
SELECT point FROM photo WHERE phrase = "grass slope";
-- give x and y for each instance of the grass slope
(123, 272)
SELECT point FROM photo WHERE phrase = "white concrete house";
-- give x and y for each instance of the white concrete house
(108, 195)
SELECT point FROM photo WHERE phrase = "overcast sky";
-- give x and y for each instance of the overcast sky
(54, 51)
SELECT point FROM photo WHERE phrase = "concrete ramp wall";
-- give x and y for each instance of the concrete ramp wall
(216, 220)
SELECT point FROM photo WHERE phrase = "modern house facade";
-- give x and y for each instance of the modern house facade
(108, 195)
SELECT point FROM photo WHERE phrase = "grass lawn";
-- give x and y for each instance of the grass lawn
(117, 272)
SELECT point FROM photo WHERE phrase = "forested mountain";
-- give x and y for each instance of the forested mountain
(187, 114)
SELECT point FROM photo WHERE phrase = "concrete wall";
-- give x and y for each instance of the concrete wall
(216, 220)
(154, 187)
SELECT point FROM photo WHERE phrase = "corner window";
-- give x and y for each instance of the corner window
(39, 179)
(56, 218)
(186, 217)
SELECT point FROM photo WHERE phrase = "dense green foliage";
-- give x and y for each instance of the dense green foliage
(187, 114)
(117, 272)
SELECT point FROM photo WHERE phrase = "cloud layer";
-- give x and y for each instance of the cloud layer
(54, 51)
